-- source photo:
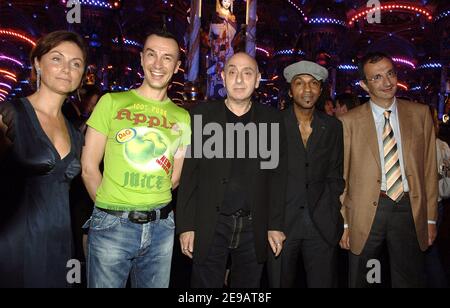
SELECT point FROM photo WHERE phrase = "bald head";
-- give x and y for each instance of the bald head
(241, 77)
(242, 58)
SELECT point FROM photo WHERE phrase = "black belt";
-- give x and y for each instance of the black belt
(140, 217)
(384, 195)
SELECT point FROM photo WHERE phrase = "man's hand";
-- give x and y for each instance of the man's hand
(187, 243)
(276, 239)
(432, 234)
(345, 240)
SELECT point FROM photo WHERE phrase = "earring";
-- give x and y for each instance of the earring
(38, 79)
(78, 94)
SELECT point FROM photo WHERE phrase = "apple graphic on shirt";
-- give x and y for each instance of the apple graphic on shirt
(145, 147)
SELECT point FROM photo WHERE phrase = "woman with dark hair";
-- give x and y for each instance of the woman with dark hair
(39, 156)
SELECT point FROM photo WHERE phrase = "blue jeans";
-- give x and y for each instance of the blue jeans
(119, 248)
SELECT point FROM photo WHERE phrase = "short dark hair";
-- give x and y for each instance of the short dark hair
(50, 41)
(347, 99)
(371, 57)
(162, 33)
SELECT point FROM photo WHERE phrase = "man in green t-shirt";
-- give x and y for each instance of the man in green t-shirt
(141, 135)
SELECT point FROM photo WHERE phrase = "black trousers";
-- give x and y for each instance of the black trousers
(393, 226)
(233, 238)
(319, 258)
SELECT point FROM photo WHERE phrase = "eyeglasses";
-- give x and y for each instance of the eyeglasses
(379, 77)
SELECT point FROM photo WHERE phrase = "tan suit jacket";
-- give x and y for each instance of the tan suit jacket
(362, 169)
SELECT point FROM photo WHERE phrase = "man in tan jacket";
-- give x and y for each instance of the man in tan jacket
(391, 179)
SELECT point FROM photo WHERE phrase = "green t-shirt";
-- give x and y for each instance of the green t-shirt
(143, 137)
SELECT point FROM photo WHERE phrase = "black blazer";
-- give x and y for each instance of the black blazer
(317, 172)
(203, 183)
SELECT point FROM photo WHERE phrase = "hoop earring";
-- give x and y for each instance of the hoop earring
(38, 79)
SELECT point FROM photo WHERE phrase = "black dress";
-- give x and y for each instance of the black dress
(35, 229)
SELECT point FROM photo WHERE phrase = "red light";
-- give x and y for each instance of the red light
(403, 86)
(10, 77)
(23, 37)
(7, 73)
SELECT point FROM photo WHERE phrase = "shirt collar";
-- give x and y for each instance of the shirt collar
(378, 111)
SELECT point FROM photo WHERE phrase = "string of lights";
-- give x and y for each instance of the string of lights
(325, 20)
(12, 60)
(391, 7)
(4, 32)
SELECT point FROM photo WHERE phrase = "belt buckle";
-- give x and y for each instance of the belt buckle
(141, 217)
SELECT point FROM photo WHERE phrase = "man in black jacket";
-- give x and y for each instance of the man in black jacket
(313, 224)
(230, 200)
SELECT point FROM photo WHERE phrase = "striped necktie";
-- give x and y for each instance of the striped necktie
(394, 183)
